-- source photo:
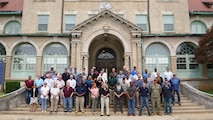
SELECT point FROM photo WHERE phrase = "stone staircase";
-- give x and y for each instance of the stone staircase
(187, 107)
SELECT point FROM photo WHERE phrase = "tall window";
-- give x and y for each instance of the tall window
(185, 57)
(141, 21)
(198, 27)
(55, 55)
(12, 27)
(43, 23)
(70, 21)
(157, 55)
(2, 53)
(168, 23)
(24, 61)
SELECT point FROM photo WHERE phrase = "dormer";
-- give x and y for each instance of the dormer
(2, 4)
(208, 3)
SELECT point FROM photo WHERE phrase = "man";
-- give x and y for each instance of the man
(124, 85)
(118, 92)
(136, 84)
(39, 83)
(84, 72)
(133, 73)
(125, 71)
(111, 84)
(131, 93)
(65, 75)
(120, 76)
(155, 91)
(70, 70)
(60, 84)
(72, 82)
(168, 74)
(145, 74)
(28, 86)
(80, 91)
(175, 82)
(167, 92)
(75, 74)
(103, 76)
(160, 81)
(154, 74)
(86, 84)
(68, 97)
(79, 78)
(51, 72)
(144, 100)
(55, 76)
(54, 91)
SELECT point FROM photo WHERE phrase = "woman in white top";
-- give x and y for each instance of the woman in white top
(44, 97)
(54, 91)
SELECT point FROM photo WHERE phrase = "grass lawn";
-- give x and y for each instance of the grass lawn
(1, 93)
(208, 91)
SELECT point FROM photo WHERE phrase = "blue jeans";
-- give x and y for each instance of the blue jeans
(43, 104)
(178, 94)
(144, 101)
(131, 106)
(168, 104)
(68, 104)
(28, 95)
(39, 96)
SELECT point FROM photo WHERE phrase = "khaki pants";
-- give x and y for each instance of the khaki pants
(80, 102)
(137, 99)
(104, 102)
(111, 95)
(155, 104)
(54, 104)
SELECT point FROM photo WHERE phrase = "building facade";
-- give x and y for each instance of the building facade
(39, 34)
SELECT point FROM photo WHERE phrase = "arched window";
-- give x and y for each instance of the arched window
(157, 55)
(12, 27)
(55, 55)
(198, 27)
(2, 53)
(185, 56)
(24, 61)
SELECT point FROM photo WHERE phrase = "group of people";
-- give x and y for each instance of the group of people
(99, 89)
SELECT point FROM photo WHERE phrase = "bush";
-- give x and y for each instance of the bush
(12, 86)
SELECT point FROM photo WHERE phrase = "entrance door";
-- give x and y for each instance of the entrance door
(106, 58)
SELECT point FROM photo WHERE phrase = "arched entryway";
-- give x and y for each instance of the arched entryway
(106, 52)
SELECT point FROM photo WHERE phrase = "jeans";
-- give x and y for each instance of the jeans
(167, 104)
(118, 100)
(144, 101)
(178, 94)
(68, 104)
(131, 106)
(39, 95)
(28, 95)
(43, 104)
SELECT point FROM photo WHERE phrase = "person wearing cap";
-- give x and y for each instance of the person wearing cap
(155, 91)
(144, 100)
(175, 82)
(167, 93)
(118, 92)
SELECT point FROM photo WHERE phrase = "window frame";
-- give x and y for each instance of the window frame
(173, 23)
(42, 24)
(12, 22)
(195, 24)
(72, 24)
(142, 23)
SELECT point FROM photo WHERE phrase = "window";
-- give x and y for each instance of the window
(198, 27)
(55, 55)
(185, 57)
(12, 27)
(168, 22)
(141, 21)
(24, 61)
(69, 22)
(43, 23)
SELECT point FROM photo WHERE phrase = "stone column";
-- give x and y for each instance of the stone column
(78, 62)
(86, 60)
(126, 60)
(139, 58)
(173, 64)
(39, 65)
(8, 67)
(134, 55)
(73, 55)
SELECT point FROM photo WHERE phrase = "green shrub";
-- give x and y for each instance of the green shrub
(12, 86)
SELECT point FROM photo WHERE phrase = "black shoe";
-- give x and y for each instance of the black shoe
(51, 112)
(65, 110)
(70, 111)
(108, 115)
(179, 104)
(101, 115)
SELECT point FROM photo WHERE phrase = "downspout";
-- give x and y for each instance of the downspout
(70, 38)
(62, 16)
(142, 56)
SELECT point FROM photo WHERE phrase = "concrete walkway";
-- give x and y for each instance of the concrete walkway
(203, 116)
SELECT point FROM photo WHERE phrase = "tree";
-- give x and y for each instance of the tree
(204, 52)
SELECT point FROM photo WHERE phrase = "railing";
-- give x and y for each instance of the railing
(196, 95)
(12, 99)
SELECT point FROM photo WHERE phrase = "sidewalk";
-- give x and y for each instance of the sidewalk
(68, 117)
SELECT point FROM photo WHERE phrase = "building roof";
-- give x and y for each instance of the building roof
(11, 5)
(200, 5)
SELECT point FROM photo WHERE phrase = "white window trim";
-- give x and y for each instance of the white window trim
(173, 23)
(47, 23)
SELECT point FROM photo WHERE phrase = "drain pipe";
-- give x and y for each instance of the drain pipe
(62, 16)
(70, 38)
(142, 58)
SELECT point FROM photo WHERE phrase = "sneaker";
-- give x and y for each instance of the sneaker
(133, 114)
(70, 110)
(65, 110)
(129, 115)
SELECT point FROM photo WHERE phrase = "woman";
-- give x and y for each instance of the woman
(28, 85)
(34, 99)
(104, 92)
(94, 95)
(44, 96)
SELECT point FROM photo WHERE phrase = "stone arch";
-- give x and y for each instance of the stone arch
(6, 47)
(13, 46)
(159, 40)
(50, 41)
(122, 39)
